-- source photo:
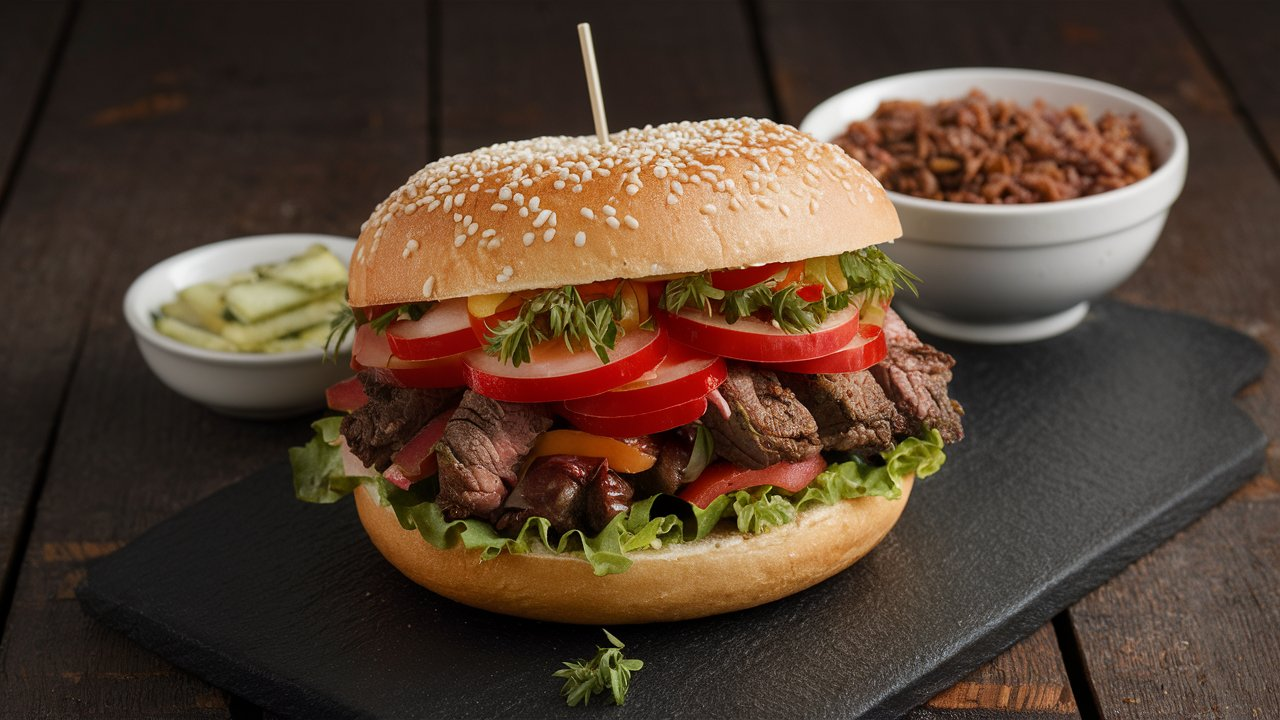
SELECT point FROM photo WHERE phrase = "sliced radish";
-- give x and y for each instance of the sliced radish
(554, 373)
(683, 375)
(758, 341)
(372, 352)
(865, 350)
(444, 329)
(621, 426)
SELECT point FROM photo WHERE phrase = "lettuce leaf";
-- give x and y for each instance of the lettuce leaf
(318, 477)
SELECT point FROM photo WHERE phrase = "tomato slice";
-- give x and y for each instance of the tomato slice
(865, 350)
(725, 477)
(346, 395)
(684, 374)
(623, 457)
(745, 277)
(623, 426)
(555, 373)
(444, 329)
(372, 352)
(417, 459)
(758, 341)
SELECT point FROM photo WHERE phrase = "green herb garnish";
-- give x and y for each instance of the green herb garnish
(870, 269)
(408, 311)
(609, 669)
(343, 322)
(348, 319)
(559, 312)
(693, 291)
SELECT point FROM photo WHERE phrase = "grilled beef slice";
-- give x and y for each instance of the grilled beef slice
(572, 492)
(851, 410)
(479, 453)
(390, 419)
(674, 449)
(914, 376)
(766, 423)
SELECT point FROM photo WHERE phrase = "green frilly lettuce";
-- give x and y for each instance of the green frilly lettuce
(651, 523)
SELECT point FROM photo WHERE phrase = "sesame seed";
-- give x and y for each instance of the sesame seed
(580, 239)
(428, 285)
(488, 233)
(785, 210)
(534, 201)
(457, 242)
(672, 199)
(612, 222)
(448, 204)
(708, 209)
(475, 187)
(524, 212)
(527, 239)
(577, 188)
(632, 189)
(550, 233)
(542, 218)
(588, 214)
(608, 210)
(660, 171)
(495, 243)
(459, 199)
(559, 184)
(519, 198)
(504, 193)
(675, 185)
(631, 222)
(526, 182)
(498, 207)
(457, 217)
(472, 228)
(552, 221)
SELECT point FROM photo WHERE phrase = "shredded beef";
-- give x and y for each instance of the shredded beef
(390, 419)
(480, 451)
(766, 424)
(914, 376)
(851, 410)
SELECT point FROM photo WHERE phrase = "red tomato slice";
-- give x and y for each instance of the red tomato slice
(623, 426)
(758, 341)
(724, 477)
(371, 352)
(417, 459)
(745, 277)
(443, 330)
(684, 374)
(346, 395)
(867, 349)
(557, 374)
(810, 293)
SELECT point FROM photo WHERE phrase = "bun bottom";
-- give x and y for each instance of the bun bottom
(723, 572)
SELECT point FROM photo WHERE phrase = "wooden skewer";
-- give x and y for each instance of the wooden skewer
(593, 82)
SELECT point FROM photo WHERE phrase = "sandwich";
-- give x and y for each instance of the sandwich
(651, 380)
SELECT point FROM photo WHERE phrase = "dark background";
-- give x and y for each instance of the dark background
(131, 131)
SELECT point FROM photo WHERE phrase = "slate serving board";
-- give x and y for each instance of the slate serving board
(1083, 453)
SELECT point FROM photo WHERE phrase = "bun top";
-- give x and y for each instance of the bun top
(676, 198)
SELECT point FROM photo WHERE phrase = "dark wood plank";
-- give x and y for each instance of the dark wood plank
(1216, 259)
(1028, 679)
(1239, 35)
(28, 43)
(170, 125)
(29, 35)
(662, 62)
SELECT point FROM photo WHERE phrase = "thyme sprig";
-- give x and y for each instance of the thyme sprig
(608, 670)
(870, 269)
(348, 319)
(559, 312)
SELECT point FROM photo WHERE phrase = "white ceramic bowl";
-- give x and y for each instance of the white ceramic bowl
(1017, 273)
(241, 384)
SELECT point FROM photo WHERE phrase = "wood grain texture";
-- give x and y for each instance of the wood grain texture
(1027, 681)
(171, 125)
(28, 43)
(659, 62)
(1239, 35)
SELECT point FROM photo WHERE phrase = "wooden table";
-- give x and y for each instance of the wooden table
(131, 131)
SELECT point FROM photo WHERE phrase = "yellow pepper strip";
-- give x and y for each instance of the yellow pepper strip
(622, 457)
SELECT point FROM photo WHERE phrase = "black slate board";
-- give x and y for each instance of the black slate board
(1084, 452)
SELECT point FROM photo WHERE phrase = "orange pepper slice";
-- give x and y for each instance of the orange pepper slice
(622, 457)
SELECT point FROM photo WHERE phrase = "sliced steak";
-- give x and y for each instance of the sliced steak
(914, 376)
(572, 492)
(390, 419)
(766, 423)
(667, 474)
(480, 451)
(851, 410)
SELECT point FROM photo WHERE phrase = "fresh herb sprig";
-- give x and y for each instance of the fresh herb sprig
(608, 670)
(348, 319)
(870, 269)
(690, 291)
(559, 312)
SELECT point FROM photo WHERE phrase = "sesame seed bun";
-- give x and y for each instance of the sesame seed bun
(723, 572)
(552, 211)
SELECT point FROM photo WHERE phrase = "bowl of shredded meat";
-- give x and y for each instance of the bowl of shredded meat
(1023, 194)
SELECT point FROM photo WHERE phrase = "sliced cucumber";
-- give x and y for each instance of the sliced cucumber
(205, 300)
(192, 335)
(253, 336)
(179, 310)
(312, 337)
(255, 301)
(315, 269)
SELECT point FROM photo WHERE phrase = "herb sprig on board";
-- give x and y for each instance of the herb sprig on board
(560, 312)
(608, 670)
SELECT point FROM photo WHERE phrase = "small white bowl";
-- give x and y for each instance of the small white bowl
(1018, 273)
(242, 384)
